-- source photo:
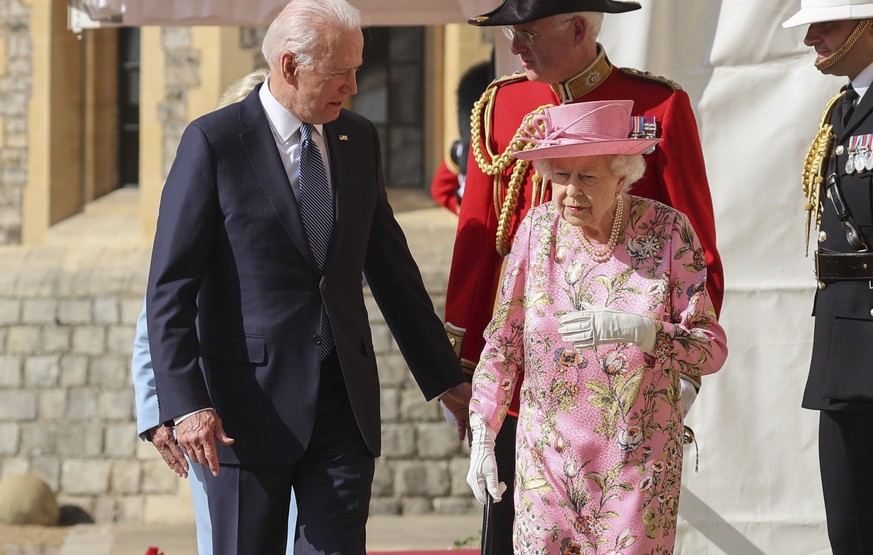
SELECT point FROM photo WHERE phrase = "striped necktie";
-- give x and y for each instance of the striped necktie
(316, 209)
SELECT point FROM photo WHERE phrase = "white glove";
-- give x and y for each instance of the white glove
(483, 466)
(688, 394)
(596, 325)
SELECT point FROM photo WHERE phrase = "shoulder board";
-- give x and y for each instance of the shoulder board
(507, 79)
(648, 75)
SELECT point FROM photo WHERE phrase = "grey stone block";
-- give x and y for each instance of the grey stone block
(110, 371)
(79, 440)
(85, 476)
(56, 339)
(384, 506)
(125, 477)
(74, 370)
(415, 408)
(38, 439)
(427, 479)
(10, 311)
(52, 404)
(157, 477)
(117, 405)
(23, 339)
(383, 479)
(10, 370)
(12, 466)
(393, 371)
(119, 339)
(437, 440)
(130, 309)
(398, 440)
(389, 402)
(130, 509)
(416, 505)
(82, 404)
(382, 340)
(89, 340)
(17, 405)
(456, 505)
(458, 468)
(39, 311)
(42, 371)
(106, 311)
(104, 510)
(8, 439)
(120, 442)
(74, 311)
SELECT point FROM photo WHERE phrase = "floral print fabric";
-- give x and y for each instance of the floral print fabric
(599, 440)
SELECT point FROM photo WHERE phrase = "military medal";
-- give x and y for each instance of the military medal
(850, 163)
(644, 127)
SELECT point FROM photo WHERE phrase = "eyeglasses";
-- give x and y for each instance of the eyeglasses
(528, 37)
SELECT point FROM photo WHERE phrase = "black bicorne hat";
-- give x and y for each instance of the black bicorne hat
(516, 12)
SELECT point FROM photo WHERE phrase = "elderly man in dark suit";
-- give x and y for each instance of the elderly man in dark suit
(259, 334)
(839, 183)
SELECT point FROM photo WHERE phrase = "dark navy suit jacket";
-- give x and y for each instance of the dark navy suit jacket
(235, 296)
(842, 357)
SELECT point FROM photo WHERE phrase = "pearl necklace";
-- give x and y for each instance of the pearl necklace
(602, 254)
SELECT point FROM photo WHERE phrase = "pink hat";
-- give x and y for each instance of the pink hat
(580, 129)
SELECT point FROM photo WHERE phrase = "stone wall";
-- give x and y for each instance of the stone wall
(15, 85)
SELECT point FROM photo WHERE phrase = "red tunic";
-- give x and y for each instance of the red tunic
(675, 175)
(444, 187)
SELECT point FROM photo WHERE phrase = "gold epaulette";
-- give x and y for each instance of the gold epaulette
(649, 76)
(814, 167)
(494, 164)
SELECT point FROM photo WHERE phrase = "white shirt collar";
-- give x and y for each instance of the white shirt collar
(284, 123)
(862, 82)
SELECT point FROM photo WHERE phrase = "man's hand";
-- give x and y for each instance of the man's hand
(163, 440)
(197, 435)
(457, 401)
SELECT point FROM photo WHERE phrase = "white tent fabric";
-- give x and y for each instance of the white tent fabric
(758, 100)
(261, 12)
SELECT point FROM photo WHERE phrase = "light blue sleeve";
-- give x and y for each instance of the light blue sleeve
(143, 375)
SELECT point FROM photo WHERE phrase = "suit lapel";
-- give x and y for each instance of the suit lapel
(260, 147)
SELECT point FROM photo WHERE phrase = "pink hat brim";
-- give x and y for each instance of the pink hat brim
(628, 147)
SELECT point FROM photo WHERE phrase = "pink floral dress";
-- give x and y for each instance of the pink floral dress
(599, 441)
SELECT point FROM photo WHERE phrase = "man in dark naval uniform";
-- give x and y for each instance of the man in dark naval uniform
(556, 41)
(838, 181)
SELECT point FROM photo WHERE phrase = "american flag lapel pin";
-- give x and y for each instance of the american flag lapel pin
(344, 137)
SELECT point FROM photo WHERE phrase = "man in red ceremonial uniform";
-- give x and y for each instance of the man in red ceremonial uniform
(556, 41)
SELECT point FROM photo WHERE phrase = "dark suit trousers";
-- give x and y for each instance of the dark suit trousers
(503, 513)
(249, 504)
(846, 459)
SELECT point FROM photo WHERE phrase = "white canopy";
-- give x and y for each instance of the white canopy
(86, 14)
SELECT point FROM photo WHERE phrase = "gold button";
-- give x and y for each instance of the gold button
(452, 341)
(822, 236)
(822, 285)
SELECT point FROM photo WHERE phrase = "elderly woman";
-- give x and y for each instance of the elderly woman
(603, 306)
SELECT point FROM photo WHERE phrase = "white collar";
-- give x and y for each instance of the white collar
(284, 123)
(863, 81)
